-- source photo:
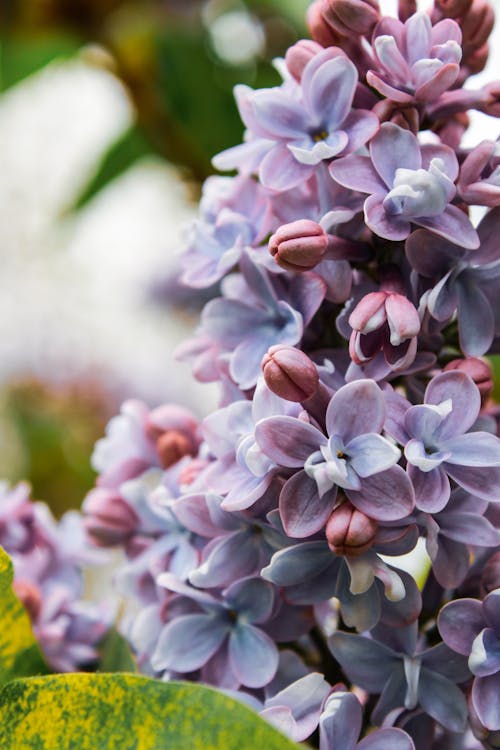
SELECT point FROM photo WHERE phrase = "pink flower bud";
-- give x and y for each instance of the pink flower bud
(491, 99)
(299, 246)
(192, 471)
(453, 8)
(406, 117)
(349, 531)
(109, 519)
(319, 29)
(299, 54)
(406, 8)
(172, 446)
(477, 24)
(477, 369)
(289, 373)
(30, 597)
(348, 17)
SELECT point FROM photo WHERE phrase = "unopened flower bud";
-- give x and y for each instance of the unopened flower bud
(191, 471)
(299, 54)
(319, 29)
(299, 246)
(349, 531)
(30, 597)
(289, 373)
(348, 17)
(171, 447)
(477, 24)
(407, 8)
(453, 8)
(109, 519)
(406, 117)
(477, 369)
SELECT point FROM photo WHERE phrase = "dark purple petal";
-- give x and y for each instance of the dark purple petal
(450, 562)
(355, 409)
(253, 656)
(442, 700)
(188, 642)
(252, 598)
(366, 662)
(459, 622)
(446, 662)
(453, 225)
(432, 488)
(481, 481)
(476, 323)
(340, 722)
(486, 700)
(469, 528)
(298, 563)
(393, 148)
(491, 610)
(387, 496)
(484, 659)
(395, 228)
(303, 512)
(288, 441)
(390, 738)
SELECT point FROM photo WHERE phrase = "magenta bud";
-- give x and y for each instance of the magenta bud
(349, 531)
(299, 246)
(299, 54)
(109, 520)
(172, 446)
(289, 373)
(477, 24)
(453, 8)
(319, 29)
(477, 369)
(348, 17)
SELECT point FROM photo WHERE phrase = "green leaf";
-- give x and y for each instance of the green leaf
(22, 56)
(127, 712)
(121, 155)
(116, 655)
(19, 652)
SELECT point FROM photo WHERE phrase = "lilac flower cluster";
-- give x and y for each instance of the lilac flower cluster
(357, 299)
(48, 557)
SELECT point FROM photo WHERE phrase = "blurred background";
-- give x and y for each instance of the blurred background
(110, 111)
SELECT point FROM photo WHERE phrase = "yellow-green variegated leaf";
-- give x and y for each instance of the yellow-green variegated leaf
(19, 651)
(127, 712)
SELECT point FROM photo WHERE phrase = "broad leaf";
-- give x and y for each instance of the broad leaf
(19, 652)
(127, 712)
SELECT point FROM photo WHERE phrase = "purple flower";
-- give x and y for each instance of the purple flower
(340, 725)
(220, 634)
(296, 709)
(392, 664)
(479, 180)
(408, 184)
(415, 60)
(468, 283)
(297, 126)
(253, 315)
(354, 457)
(472, 628)
(16, 518)
(439, 444)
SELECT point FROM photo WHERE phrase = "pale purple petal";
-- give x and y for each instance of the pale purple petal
(371, 453)
(486, 700)
(395, 228)
(188, 642)
(288, 441)
(253, 656)
(357, 173)
(481, 481)
(474, 449)
(355, 409)
(279, 170)
(278, 115)
(453, 225)
(298, 563)
(387, 496)
(389, 738)
(253, 598)
(340, 722)
(432, 488)
(465, 399)
(459, 623)
(476, 323)
(393, 148)
(331, 90)
(484, 659)
(303, 512)
(360, 126)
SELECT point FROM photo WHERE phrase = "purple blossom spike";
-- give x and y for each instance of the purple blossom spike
(408, 184)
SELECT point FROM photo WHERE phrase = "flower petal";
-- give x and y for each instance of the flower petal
(394, 148)
(387, 496)
(288, 441)
(253, 656)
(303, 512)
(188, 642)
(355, 409)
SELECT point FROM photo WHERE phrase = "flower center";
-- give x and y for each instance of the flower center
(319, 135)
